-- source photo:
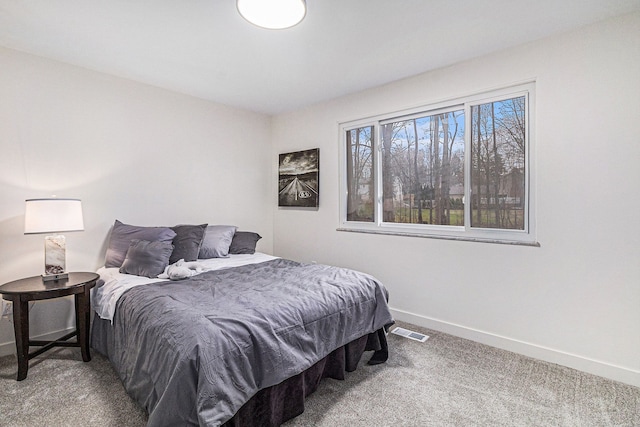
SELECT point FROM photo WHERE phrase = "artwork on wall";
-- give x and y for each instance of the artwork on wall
(298, 178)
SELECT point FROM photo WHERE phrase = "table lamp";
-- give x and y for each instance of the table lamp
(53, 216)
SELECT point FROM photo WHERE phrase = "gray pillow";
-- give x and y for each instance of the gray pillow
(187, 242)
(123, 234)
(216, 242)
(148, 259)
(244, 242)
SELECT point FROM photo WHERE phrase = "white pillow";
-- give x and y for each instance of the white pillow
(216, 241)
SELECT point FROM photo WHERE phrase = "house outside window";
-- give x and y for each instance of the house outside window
(460, 169)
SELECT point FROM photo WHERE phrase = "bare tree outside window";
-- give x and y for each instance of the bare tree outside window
(423, 169)
(360, 174)
(498, 135)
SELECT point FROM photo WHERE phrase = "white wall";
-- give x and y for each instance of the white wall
(576, 299)
(131, 152)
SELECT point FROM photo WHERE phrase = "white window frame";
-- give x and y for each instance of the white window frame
(527, 236)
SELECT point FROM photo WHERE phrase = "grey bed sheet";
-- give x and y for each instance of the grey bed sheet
(193, 352)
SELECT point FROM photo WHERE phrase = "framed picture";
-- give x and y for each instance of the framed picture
(298, 178)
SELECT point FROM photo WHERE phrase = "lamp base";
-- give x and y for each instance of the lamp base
(54, 255)
(54, 277)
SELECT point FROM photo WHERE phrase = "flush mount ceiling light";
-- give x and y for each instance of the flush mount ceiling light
(272, 14)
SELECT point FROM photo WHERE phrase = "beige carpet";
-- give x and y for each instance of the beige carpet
(446, 381)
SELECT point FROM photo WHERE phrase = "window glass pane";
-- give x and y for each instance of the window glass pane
(360, 177)
(423, 169)
(498, 137)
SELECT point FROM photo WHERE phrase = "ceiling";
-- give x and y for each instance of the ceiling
(205, 49)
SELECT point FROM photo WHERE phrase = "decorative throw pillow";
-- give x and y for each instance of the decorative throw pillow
(123, 234)
(148, 259)
(187, 242)
(216, 242)
(244, 242)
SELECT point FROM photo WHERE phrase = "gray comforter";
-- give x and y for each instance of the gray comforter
(194, 351)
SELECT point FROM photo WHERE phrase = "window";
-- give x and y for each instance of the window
(458, 170)
(360, 174)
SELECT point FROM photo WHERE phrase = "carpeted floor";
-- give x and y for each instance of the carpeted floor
(446, 381)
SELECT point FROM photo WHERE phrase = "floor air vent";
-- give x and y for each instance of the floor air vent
(410, 334)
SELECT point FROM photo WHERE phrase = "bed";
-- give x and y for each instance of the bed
(240, 343)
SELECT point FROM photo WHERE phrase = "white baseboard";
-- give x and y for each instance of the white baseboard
(585, 364)
(8, 348)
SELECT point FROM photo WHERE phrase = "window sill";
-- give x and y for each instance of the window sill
(441, 237)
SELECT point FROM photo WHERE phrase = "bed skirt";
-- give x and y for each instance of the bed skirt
(274, 405)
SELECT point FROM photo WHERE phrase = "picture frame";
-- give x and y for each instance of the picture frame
(299, 179)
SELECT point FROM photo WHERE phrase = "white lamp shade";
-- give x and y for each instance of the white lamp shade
(272, 14)
(52, 216)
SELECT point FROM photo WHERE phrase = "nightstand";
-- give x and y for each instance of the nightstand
(20, 292)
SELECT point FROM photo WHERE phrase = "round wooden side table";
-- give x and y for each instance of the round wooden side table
(20, 292)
